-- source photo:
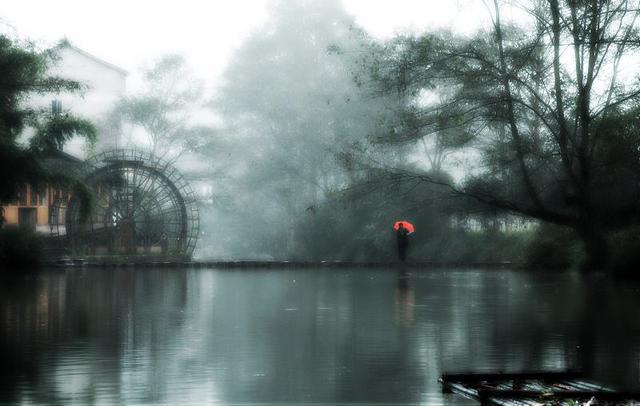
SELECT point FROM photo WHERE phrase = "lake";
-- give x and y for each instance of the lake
(324, 336)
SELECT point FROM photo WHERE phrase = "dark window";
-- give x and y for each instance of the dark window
(22, 196)
(33, 196)
(27, 218)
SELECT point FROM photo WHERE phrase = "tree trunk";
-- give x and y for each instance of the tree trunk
(595, 248)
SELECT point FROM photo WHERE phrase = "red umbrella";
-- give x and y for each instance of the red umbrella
(410, 228)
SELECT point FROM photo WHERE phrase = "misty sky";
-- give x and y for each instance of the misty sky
(130, 33)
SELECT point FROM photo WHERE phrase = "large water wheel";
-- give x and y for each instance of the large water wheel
(143, 207)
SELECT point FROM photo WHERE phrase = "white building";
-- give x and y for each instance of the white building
(104, 84)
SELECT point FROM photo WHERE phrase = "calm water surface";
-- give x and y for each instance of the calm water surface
(80, 337)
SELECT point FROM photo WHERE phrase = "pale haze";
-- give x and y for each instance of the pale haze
(130, 34)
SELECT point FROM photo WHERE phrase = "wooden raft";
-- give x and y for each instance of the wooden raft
(534, 389)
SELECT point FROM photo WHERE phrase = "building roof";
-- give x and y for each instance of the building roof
(64, 43)
(63, 156)
(56, 160)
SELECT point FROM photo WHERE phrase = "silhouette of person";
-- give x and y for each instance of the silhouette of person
(402, 235)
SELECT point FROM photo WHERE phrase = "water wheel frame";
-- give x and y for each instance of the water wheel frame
(143, 207)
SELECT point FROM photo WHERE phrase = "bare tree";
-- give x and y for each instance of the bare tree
(164, 107)
(544, 104)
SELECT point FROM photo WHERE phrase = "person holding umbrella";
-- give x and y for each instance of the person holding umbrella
(403, 229)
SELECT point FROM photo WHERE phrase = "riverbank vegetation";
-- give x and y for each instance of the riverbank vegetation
(20, 249)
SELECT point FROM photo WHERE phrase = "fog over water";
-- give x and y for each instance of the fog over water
(315, 201)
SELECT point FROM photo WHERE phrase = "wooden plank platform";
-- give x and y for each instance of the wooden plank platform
(534, 389)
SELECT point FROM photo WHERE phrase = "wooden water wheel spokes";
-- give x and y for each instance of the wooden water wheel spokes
(142, 207)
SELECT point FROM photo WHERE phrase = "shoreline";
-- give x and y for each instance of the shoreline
(249, 264)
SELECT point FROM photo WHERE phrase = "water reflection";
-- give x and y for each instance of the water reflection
(405, 298)
(205, 336)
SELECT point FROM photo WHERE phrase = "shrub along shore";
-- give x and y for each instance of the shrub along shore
(544, 248)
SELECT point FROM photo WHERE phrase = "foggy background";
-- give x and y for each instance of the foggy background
(256, 102)
(267, 107)
(130, 34)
